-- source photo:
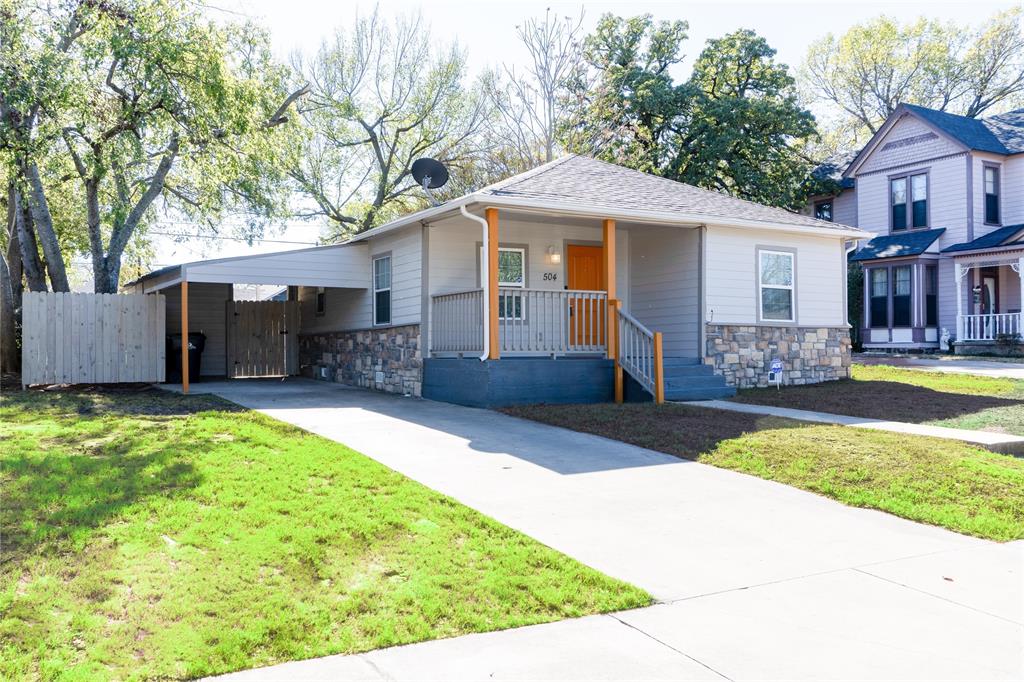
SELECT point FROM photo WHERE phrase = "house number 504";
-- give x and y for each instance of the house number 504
(550, 276)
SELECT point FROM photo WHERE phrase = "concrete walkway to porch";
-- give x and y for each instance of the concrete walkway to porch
(986, 368)
(997, 442)
(754, 579)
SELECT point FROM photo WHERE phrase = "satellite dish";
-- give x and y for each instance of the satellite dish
(429, 173)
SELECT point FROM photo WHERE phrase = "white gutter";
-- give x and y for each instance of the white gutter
(484, 279)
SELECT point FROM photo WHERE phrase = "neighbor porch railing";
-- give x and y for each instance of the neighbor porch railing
(530, 322)
(991, 327)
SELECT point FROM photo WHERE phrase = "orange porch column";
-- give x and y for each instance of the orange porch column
(491, 286)
(184, 336)
(608, 240)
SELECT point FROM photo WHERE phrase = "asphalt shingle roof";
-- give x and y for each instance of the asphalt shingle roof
(1001, 134)
(583, 180)
(897, 245)
(1001, 237)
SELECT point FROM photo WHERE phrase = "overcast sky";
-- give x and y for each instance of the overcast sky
(485, 29)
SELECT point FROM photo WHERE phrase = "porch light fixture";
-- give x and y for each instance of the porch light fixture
(553, 256)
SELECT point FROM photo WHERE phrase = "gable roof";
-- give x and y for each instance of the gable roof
(973, 133)
(1011, 235)
(581, 179)
(898, 245)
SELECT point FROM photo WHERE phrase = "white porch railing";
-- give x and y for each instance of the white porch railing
(637, 352)
(530, 322)
(991, 327)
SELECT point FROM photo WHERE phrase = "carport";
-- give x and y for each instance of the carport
(250, 338)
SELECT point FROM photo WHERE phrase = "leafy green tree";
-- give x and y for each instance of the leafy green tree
(625, 105)
(380, 98)
(741, 127)
(873, 67)
(130, 105)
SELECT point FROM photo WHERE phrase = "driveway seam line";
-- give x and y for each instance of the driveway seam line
(940, 598)
(669, 646)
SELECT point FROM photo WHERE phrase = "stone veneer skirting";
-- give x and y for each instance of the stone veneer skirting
(743, 354)
(387, 359)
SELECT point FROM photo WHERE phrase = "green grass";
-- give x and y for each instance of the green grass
(148, 535)
(941, 482)
(883, 392)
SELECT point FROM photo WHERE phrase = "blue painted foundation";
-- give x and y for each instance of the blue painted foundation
(518, 381)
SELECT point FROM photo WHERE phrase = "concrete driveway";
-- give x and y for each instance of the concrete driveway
(755, 580)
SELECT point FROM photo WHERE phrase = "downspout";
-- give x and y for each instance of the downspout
(484, 279)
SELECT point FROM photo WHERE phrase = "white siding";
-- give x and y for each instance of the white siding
(207, 313)
(665, 286)
(352, 308)
(455, 253)
(327, 266)
(844, 208)
(732, 276)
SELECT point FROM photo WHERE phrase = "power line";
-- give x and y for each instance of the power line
(237, 239)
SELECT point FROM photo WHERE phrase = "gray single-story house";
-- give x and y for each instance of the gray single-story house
(576, 281)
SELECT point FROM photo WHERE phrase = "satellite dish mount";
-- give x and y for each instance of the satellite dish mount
(429, 174)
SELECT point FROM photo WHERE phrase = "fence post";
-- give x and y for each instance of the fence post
(184, 336)
(659, 370)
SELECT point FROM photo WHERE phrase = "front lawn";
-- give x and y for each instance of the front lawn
(941, 482)
(149, 535)
(959, 401)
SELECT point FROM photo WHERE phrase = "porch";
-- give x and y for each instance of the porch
(990, 289)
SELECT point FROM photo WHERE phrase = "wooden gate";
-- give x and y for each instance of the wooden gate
(262, 338)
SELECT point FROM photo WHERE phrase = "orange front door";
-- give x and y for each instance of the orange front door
(586, 273)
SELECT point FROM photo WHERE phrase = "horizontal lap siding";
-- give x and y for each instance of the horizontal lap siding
(1011, 171)
(844, 208)
(455, 253)
(347, 309)
(732, 276)
(665, 281)
(207, 313)
(339, 266)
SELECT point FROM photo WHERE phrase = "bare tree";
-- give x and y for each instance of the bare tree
(532, 103)
(381, 97)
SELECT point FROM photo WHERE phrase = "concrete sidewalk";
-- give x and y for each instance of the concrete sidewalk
(997, 442)
(987, 368)
(756, 580)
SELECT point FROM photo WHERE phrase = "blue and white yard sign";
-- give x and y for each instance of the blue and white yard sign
(775, 373)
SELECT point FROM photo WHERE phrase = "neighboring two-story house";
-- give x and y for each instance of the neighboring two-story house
(945, 196)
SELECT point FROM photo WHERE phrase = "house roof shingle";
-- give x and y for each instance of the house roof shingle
(1011, 235)
(1000, 134)
(580, 179)
(897, 245)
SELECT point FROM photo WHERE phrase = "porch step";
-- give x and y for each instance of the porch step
(680, 362)
(680, 371)
(705, 381)
(690, 379)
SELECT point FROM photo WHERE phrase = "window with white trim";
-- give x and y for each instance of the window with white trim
(776, 277)
(382, 290)
(511, 275)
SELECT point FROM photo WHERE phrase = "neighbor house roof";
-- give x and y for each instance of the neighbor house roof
(1011, 235)
(580, 185)
(833, 168)
(898, 245)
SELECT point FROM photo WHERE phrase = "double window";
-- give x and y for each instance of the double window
(511, 275)
(776, 277)
(892, 289)
(991, 195)
(909, 201)
(382, 290)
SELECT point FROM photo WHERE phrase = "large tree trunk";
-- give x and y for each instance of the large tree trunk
(43, 223)
(9, 360)
(13, 245)
(30, 262)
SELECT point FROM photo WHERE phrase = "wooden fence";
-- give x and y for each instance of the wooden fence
(92, 338)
